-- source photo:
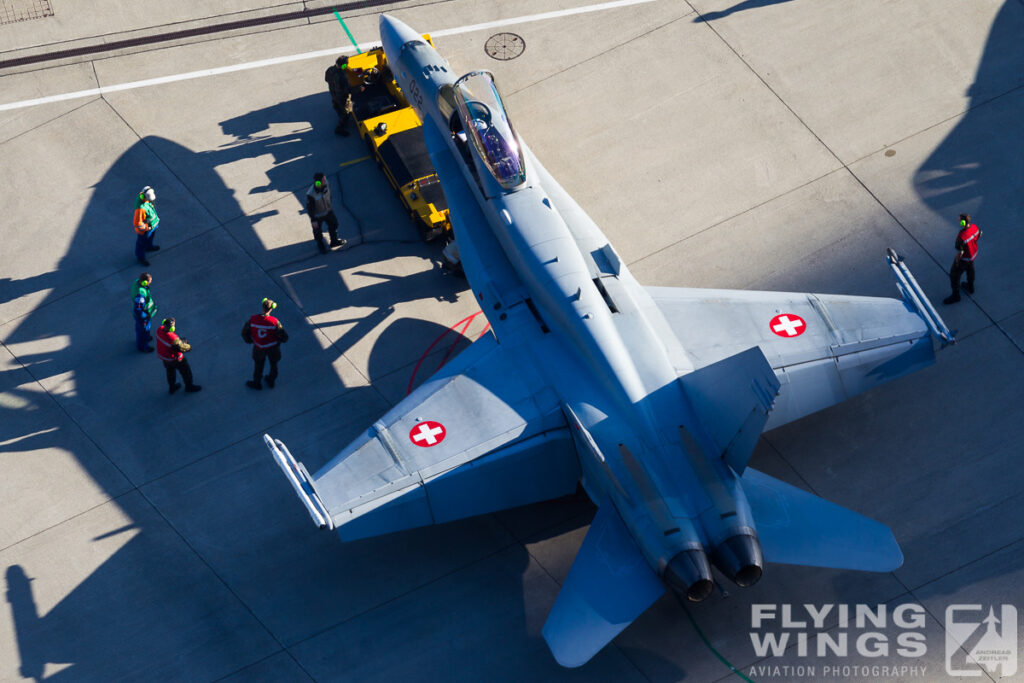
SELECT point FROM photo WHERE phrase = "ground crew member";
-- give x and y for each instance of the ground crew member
(320, 210)
(171, 349)
(341, 97)
(963, 262)
(266, 334)
(146, 222)
(346, 115)
(145, 307)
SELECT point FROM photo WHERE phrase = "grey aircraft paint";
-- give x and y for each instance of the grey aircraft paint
(652, 398)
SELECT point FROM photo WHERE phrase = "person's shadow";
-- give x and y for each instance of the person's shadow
(741, 7)
(197, 277)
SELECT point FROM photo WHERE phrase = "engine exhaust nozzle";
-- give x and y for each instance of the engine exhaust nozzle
(739, 558)
(689, 575)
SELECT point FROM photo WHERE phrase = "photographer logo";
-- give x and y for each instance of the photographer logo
(974, 640)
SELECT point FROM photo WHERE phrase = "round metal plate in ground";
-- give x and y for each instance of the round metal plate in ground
(504, 46)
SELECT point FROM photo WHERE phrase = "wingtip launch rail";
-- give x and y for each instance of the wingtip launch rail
(912, 293)
(300, 481)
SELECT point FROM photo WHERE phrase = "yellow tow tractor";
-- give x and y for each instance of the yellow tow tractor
(391, 130)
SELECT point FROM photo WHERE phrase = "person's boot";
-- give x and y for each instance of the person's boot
(153, 248)
(193, 388)
(253, 385)
(147, 349)
(967, 287)
(270, 381)
(143, 262)
(952, 298)
(337, 244)
(175, 387)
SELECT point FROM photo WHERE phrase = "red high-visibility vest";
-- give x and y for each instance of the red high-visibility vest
(969, 237)
(165, 345)
(263, 329)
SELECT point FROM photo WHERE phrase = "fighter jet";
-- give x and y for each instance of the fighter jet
(652, 398)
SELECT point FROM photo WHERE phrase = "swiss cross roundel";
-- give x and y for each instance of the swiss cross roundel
(787, 325)
(427, 433)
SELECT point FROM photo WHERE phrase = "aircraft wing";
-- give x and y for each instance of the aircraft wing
(483, 434)
(823, 348)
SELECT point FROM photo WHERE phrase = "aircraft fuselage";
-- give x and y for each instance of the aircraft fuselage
(539, 266)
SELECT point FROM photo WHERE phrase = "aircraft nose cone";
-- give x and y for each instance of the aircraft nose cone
(394, 34)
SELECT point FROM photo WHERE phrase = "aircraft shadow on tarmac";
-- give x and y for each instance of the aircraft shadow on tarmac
(979, 167)
(361, 217)
(93, 632)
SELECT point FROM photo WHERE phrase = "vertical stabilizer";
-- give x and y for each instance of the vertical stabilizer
(733, 398)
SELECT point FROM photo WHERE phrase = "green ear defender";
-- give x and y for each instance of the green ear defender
(269, 303)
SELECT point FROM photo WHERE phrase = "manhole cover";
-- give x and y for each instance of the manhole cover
(505, 46)
(12, 11)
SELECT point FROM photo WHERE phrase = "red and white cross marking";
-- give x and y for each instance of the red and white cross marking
(427, 433)
(788, 325)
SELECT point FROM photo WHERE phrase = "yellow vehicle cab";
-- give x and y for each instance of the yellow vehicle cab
(393, 135)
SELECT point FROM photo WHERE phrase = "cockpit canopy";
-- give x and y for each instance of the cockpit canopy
(486, 124)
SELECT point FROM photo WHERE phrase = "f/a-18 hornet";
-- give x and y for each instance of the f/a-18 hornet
(652, 398)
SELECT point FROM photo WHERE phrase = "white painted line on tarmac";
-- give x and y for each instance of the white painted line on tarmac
(203, 73)
(543, 16)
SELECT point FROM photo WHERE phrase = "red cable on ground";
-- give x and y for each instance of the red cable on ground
(462, 333)
(465, 322)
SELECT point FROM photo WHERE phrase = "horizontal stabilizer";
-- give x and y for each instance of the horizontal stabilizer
(733, 398)
(796, 527)
(610, 584)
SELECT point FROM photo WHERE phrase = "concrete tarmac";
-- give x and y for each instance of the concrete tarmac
(760, 144)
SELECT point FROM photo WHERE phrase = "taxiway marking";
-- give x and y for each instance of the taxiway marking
(316, 54)
(354, 161)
